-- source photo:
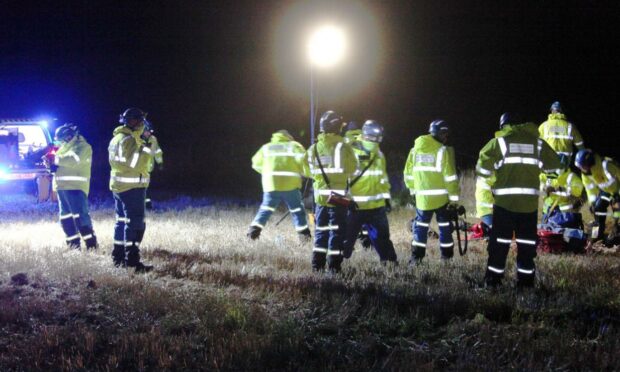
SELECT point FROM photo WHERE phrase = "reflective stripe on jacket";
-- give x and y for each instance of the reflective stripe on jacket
(339, 164)
(129, 158)
(560, 134)
(604, 175)
(280, 162)
(517, 157)
(74, 160)
(430, 173)
(568, 187)
(373, 187)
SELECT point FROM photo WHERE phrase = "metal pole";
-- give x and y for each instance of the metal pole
(312, 104)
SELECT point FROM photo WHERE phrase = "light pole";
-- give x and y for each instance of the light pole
(326, 48)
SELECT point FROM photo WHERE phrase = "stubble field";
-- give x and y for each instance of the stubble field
(217, 301)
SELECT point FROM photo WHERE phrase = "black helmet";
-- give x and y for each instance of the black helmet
(438, 126)
(564, 160)
(556, 106)
(330, 122)
(351, 126)
(584, 160)
(508, 118)
(132, 113)
(65, 132)
(372, 131)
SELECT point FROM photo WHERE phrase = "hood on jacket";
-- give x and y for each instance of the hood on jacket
(281, 136)
(137, 133)
(529, 128)
(329, 138)
(426, 143)
(557, 116)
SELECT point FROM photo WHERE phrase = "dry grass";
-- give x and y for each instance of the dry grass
(217, 301)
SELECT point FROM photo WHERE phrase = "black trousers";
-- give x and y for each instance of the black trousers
(523, 225)
(376, 222)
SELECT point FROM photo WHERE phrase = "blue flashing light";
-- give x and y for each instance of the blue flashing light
(3, 174)
(44, 123)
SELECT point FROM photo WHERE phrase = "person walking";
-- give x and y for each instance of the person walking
(330, 163)
(370, 190)
(71, 167)
(281, 165)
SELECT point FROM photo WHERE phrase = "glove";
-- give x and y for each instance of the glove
(388, 206)
(453, 205)
(577, 204)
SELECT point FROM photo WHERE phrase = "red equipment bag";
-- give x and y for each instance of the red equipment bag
(551, 242)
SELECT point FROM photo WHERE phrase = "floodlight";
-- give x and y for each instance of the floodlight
(327, 46)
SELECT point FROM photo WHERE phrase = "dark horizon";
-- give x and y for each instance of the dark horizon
(206, 75)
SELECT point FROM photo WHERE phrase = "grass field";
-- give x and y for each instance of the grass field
(217, 301)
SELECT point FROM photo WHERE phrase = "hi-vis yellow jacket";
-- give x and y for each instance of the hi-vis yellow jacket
(372, 188)
(74, 160)
(281, 163)
(560, 134)
(484, 196)
(517, 157)
(129, 158)
(568, 187)
(339, 164)
(430, 173)
(158, 154)
(604, 176)
(352, 135)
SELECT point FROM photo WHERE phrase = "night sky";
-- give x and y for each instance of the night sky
(206, 73)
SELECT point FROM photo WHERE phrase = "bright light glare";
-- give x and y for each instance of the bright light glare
(44, 123)
(327, 46)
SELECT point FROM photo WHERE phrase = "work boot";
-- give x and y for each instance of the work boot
(334, 262)
(613, 238)
(493, 280)
(71, 232)
(304, 236)
(118, 255)
(415, 261)
(254, 232)
(74, 244)
(417, 254)
(142, 268)
(89, 237)
(318, 260)
(447, 253)
(132, 258)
